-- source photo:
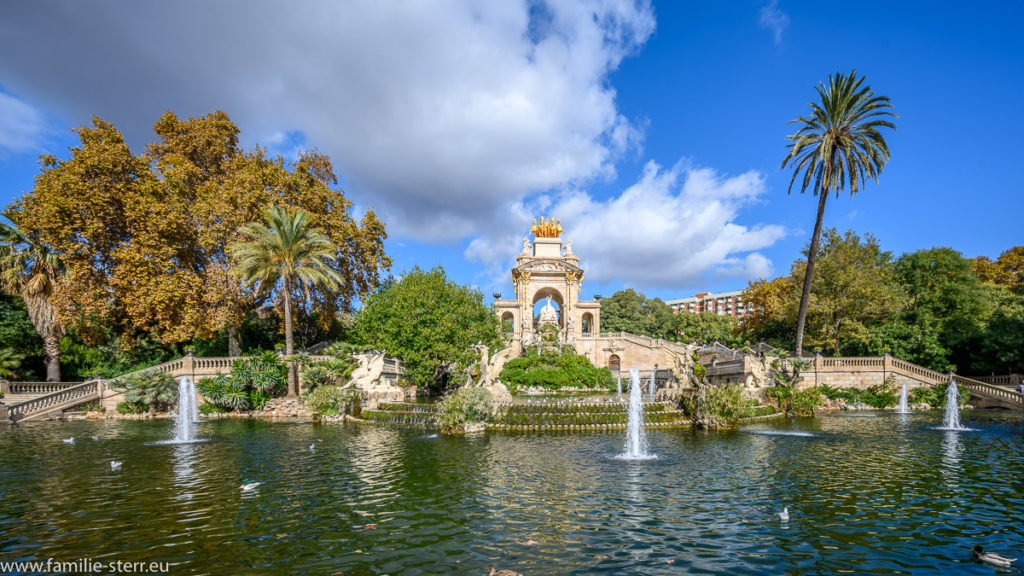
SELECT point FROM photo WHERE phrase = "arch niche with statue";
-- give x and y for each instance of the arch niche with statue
(548, 269)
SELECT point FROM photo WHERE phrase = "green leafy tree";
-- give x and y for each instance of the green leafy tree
(18, 334)
(945, 292)
(707, 327)
(10, 361)
(853, 289)
(998, 344)
(284, 255)
(630, 311)
(429, 322)
(30, 270)
(837, 145)
(772, 307)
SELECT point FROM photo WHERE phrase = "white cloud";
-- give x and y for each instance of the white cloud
(672, 229)
(22, 127)
(437, 113)
(773, 19)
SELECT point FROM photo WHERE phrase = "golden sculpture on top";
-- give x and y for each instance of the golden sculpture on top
(549, 228)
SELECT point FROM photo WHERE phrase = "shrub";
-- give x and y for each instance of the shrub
(328, 399)
(265, 372)
(333, 371)
(880, 395)
(253, 381)
(464, 406)
(699, 370)
(150, 388)
(554, 372)
(935, 396)
(805, 402)
(724, 406)
(207, 408)
(130, 408)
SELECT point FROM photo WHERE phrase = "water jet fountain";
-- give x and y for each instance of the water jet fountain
(188, 412)
(618, 387)
(951, 419)
(650, 387)
(636, 436)
(903, 409)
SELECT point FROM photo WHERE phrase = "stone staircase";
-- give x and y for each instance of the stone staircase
(25, 401)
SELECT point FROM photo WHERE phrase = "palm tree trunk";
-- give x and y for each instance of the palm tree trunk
(288, 342)
(812, 257)
(51, 348)
(44, 318)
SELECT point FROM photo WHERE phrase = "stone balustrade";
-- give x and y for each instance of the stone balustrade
(1007, 380)
(54, 402)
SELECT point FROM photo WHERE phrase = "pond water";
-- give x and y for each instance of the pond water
(873, 492)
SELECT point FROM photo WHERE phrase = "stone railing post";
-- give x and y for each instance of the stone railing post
(4, 416)
(5, 386)
(188, 366)
(819, 363)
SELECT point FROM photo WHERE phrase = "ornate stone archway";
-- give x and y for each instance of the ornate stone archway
(547, 268)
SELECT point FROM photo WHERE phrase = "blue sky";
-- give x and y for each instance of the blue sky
(654, 131)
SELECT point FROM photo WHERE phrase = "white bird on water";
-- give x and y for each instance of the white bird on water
(312, 447)
(115, 464)
(69, 440)
(250, 486)
(784, 515)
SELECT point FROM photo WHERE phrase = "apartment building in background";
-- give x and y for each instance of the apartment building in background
(723, 304)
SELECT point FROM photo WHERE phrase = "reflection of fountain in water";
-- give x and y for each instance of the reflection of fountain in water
(903, 409)
(188, 412)
(951, 448)
(951, 419)
(185, 476)
(636, 436)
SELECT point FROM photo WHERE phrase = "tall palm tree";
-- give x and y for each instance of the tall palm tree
(285, 252)
(29, 270)
(837, 145)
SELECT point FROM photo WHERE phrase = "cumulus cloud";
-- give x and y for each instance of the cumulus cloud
(774, 20)
(438, 113)
(22, 127)
(673, 228)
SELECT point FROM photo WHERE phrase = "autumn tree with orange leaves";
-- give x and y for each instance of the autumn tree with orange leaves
(143, 238)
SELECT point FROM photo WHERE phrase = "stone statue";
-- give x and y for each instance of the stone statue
(526, 245)
(548, 315)
(568, 246)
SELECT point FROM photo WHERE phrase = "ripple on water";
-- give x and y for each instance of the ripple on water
(882, 495)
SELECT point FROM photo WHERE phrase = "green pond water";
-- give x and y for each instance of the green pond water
(868, 493)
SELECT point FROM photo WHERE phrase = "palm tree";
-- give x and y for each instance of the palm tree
(839, 144)
(29, 270)
(285, 251)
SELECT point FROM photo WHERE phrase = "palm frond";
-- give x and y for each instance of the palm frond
(839, 144)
